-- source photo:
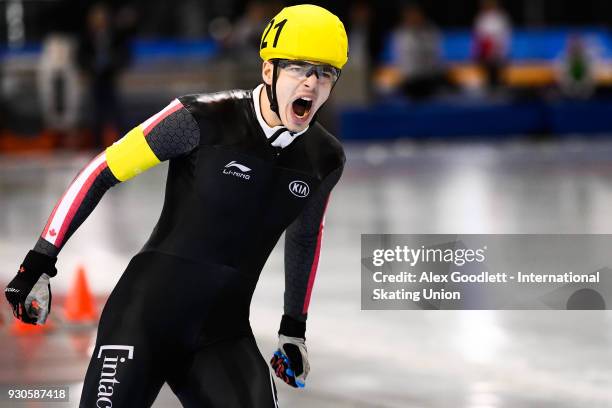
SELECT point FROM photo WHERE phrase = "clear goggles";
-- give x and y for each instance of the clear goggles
(302, 69)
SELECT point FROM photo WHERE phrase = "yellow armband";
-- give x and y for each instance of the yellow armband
(131, 155)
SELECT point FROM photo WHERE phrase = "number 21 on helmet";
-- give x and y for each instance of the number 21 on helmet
(305, 32)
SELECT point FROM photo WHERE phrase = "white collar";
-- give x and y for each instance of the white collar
(286, 137)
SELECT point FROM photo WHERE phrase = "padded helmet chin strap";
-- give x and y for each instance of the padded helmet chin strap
(271, 89)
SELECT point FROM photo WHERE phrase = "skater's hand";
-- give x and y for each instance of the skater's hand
(29, 293)
(290, 361)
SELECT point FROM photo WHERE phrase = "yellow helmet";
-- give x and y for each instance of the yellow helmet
(305, 32)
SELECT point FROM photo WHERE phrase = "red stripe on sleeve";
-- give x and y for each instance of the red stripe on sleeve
(46, 230)
(315, 263)
(78, 201)
(163, 115)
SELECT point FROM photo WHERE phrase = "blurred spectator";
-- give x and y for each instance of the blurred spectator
(3, 103)
(354, 89)
(192, 17)
(240, 41)
(360, 16)
(103, 54)
(576, 69)
(58, 83)
(492, 35)
(415, 53)
(243, 41)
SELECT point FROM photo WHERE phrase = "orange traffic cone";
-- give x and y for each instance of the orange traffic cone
(80, 306)
(21, 328)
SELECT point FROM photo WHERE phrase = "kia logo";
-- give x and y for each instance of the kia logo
(299, 188)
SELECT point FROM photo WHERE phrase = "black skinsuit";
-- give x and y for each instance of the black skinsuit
(180, 312)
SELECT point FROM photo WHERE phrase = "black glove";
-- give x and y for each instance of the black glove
(29, 293)
(290, 361)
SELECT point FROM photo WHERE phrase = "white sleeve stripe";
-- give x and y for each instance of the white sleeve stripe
(145, 125)
(52, 232)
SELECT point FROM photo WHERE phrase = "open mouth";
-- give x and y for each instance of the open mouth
(301, 107)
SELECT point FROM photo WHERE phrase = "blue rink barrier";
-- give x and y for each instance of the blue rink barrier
(485, 119)
(527, 44)
(544, 44)
(580, 117)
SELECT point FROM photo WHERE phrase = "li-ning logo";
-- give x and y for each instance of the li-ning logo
(238, 166)
(299, 188)
(241, 174)
(109, 372)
